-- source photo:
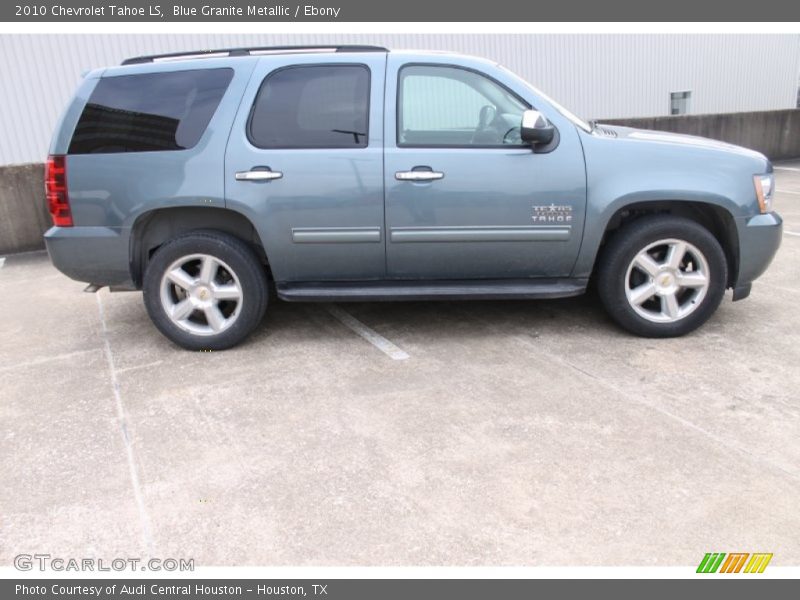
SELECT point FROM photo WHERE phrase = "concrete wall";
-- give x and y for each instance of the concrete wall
(24, 217)
(775, 133)
(23, 211)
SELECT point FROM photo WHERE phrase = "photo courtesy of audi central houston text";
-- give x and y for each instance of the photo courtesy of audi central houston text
(399, 300)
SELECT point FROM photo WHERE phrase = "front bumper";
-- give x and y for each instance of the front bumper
(96, 255)
(759, 239)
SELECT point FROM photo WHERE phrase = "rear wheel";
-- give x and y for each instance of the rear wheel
(662, 276)
(205, 290)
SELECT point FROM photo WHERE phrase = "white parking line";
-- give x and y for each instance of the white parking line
(794, 233)
(377, 340)
(144, 518)
(656, 406)
(787, 192)
(137, 367)
(2, 261)
(777, 287)
(43, 360)
(786, 169)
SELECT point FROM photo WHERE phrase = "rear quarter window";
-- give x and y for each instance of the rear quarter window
(149, 111)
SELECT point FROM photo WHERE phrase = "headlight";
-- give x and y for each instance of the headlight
(765, 185)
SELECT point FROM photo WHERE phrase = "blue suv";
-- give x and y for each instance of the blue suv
(355, 173)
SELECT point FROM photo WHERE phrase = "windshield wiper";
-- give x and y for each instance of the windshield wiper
(355, 134)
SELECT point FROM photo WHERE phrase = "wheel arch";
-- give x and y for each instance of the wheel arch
(153, 228)
(714, 217)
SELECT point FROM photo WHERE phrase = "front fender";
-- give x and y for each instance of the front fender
(622, 172)
(598, 218)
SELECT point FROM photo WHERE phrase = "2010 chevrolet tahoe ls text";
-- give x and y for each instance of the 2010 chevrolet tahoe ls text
(355, 173)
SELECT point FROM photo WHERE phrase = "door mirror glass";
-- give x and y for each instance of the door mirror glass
(535, 128)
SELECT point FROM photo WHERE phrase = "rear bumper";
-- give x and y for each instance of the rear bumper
(92, 254)
(759, 239)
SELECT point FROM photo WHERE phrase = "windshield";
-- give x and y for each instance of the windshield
(564, 112)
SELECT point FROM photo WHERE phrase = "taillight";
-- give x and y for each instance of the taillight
(56, 189)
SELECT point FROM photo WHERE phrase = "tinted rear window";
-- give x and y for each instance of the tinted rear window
(312, 107)
(151, 111)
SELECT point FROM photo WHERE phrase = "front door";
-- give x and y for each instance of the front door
(305, 164)
(465, 198)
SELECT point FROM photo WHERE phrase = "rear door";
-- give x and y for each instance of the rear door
(305, 163)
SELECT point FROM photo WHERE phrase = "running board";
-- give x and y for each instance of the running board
(485, 289)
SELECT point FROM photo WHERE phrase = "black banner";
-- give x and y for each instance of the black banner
(394, 589)
(405, 11)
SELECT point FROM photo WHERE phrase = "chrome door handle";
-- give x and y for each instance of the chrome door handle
(418, 175)
(258, 174)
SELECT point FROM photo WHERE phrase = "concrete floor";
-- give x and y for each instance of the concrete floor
(516, 433)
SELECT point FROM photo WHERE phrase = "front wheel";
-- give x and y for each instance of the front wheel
(662, 276)
(205, 290)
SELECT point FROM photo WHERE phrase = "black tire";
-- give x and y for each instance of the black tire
(628, 242)
(237, 257)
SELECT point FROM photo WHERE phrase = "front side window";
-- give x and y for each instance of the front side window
(320, 106)
(448, 106)
(149, 111)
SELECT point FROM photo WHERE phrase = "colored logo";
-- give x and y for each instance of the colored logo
(734, 562)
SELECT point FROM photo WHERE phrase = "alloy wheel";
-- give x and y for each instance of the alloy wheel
(201, 294)
(667, 280)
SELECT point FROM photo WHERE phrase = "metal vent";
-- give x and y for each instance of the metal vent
(605, 131)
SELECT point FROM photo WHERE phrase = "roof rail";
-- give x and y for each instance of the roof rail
(257, 50)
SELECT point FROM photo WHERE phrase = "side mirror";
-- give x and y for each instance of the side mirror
(535, 128)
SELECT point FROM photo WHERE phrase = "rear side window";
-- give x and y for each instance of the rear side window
(151, 111)
(320, 106)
